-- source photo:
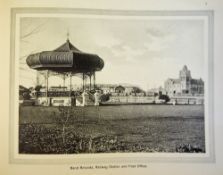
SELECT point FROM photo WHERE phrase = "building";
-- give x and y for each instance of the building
(120, 89)
(184, 85)
(156, 91)
(107, 88)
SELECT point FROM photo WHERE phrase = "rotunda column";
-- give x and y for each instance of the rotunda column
(46, 78)
(94, 80)
(70, 83)
(83, 81)
(90, 80)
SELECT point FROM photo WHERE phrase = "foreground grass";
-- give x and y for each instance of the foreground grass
(143, 128)
(39, 114)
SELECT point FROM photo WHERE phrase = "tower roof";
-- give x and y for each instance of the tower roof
(66, 58)
(185, 72)
(185, 67)
(66, 47)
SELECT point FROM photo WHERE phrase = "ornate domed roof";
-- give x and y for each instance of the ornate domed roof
(66, 58)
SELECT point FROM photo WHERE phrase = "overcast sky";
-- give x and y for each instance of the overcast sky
(140, 52)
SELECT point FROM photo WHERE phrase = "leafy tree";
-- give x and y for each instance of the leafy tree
(38, 87)
(164, 97)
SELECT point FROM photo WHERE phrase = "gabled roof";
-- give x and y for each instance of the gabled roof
(22, 88)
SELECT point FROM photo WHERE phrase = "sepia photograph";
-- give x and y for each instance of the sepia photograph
(111, 83)
(103, 87)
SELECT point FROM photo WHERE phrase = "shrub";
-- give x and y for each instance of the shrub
(105, 97)
(164, 97)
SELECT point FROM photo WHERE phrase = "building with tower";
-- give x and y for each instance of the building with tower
(184, 85)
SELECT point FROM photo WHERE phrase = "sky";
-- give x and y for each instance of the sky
(141, 52)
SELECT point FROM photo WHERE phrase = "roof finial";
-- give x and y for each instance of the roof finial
(68, 34)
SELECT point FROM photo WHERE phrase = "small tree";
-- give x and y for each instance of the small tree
(65, 113)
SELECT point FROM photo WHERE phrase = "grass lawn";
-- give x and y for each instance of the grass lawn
(127, 128)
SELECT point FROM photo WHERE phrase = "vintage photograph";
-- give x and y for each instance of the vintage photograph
(93, 84)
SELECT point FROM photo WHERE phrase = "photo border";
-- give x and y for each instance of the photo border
(138, 158)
